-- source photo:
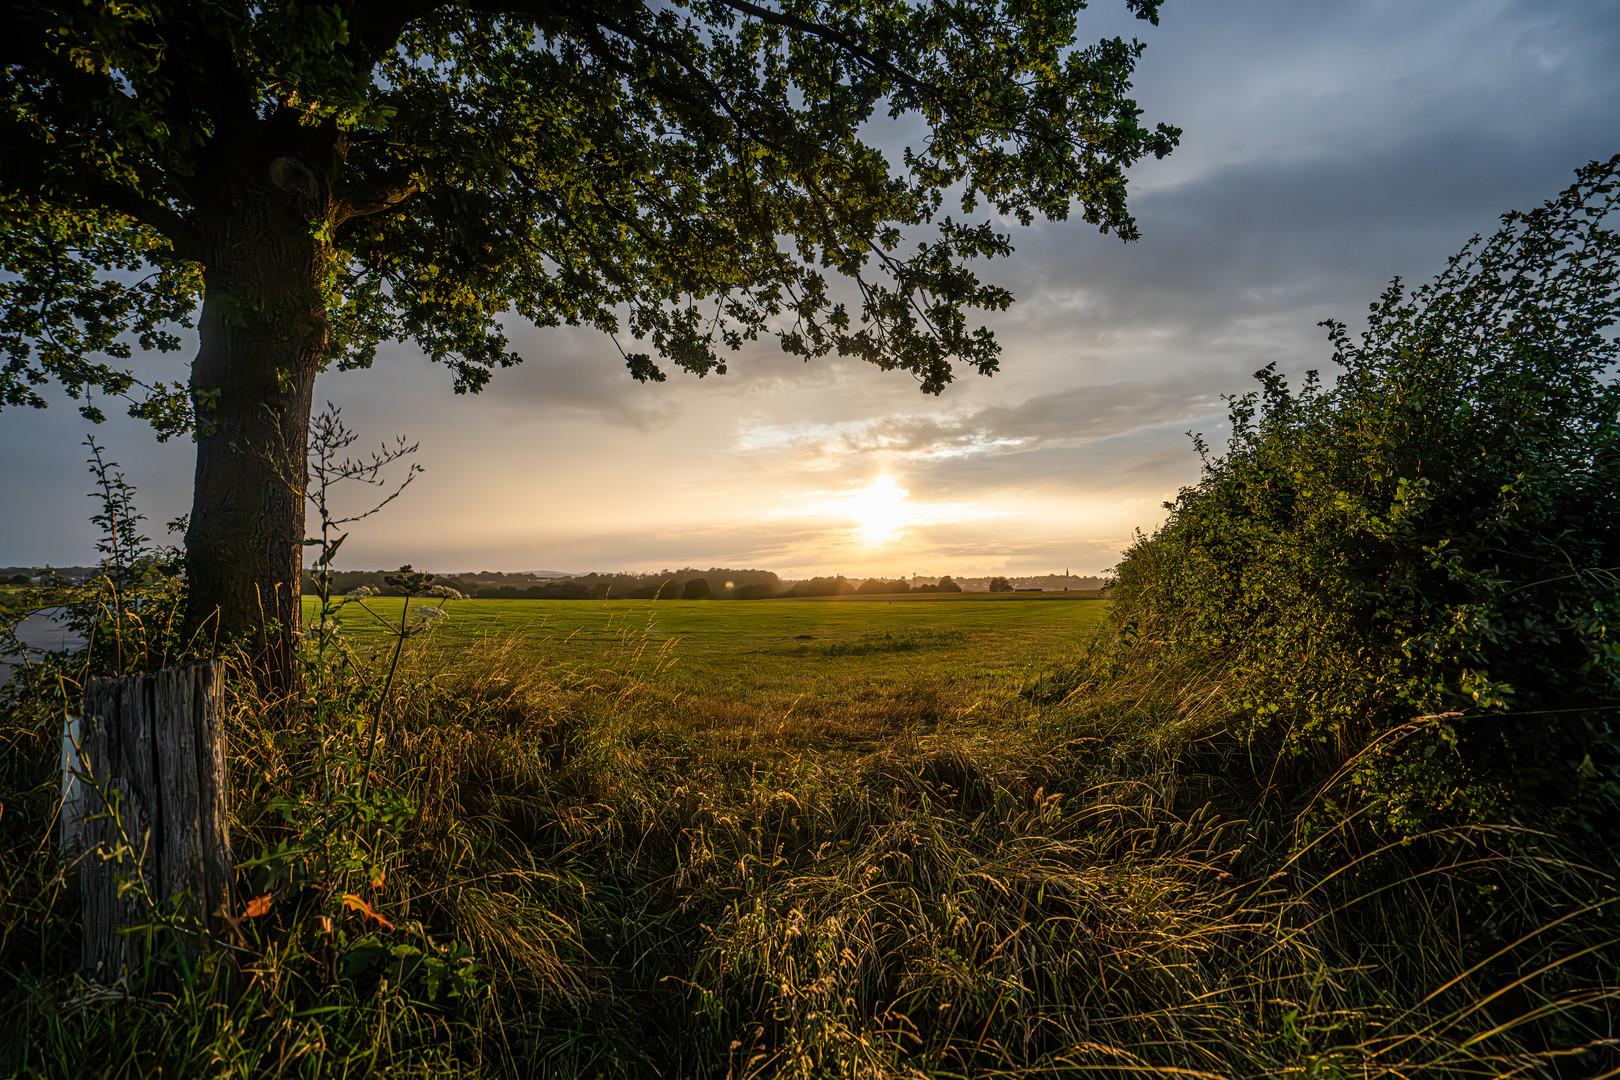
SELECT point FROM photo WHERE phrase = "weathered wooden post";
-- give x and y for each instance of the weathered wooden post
(153, 803)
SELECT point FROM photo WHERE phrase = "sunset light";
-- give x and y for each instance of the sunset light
(880, 510)
(880, 513)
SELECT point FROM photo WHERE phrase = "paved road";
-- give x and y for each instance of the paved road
(42, 632)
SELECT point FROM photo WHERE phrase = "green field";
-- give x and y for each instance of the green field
(835, 670)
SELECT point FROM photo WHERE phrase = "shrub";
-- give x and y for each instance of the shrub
(1423, 554)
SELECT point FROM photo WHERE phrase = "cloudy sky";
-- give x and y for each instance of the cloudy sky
(1327, 147)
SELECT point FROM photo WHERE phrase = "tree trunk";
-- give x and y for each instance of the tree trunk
(263, 334)
(153, 827)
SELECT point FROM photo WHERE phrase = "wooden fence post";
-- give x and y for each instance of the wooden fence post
(154, 833)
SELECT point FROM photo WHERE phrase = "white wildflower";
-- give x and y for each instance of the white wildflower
(445, 591)
(432, 614)
(363, 591)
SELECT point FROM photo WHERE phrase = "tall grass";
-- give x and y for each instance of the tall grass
(566, 872)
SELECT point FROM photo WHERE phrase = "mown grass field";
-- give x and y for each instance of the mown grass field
(827, 670)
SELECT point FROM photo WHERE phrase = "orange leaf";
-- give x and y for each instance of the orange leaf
(377, 882)
(354, 903)
(258, 906)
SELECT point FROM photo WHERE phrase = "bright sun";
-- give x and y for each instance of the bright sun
(879, 509)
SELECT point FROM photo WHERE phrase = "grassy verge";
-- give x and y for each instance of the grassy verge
(625, 862)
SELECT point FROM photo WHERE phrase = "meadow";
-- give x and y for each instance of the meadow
(832, 670)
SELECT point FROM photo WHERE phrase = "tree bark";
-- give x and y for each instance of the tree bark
(263, 335)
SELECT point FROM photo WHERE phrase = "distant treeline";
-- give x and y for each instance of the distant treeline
(687, 583)
(45, 575)
(690, 583)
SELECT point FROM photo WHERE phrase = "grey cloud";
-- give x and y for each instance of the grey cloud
(1150, 463)
(1071, 417)
(1308, 239)
(1086, 413)
(576, 371)
(996, 551)
(1259, 80)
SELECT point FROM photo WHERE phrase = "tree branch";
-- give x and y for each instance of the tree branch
(374, 196)
(595, 15)
(224, 88)
(828, 34)
(25, 169)
(376, 25)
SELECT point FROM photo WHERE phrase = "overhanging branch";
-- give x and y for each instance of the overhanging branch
(25, 170)
(375, 196)
(599, 15)
(831, 36)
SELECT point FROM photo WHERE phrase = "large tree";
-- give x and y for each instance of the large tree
(315, 179)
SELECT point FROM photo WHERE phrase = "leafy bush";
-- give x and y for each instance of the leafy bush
(1420, 563)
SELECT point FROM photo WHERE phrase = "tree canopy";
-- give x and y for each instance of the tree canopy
(691, 175)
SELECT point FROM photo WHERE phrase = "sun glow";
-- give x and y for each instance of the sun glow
(880, 511)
